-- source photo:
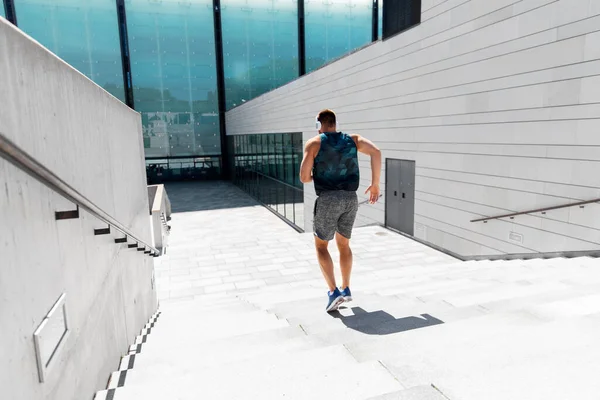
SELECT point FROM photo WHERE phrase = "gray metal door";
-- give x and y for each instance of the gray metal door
(400, 195)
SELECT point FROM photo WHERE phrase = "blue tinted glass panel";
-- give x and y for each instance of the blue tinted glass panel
(2, 10)
(334, 28)
(83, 33)
(380, 19)
(174, 75)
(260, 47)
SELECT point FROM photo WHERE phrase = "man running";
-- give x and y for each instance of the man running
(331, 161)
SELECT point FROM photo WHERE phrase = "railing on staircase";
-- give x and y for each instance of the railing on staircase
(580, 204)
(160, 213)
(22, 160)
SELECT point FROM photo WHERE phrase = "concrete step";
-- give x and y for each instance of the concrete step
(489, 294)
(581, 305)
(173, 330)
(524, 302)
(199, 307)
(480, 356)
(225, 352)
(386, 312)
(248, 339)
(314, 309)
(418, 317)
(398, 285)
(374, 316)
(431, 271)
(522, 363)
(265, 300)
(425, 392)
(493, 269)
(302, 376)
(540, 270)
(426, 287)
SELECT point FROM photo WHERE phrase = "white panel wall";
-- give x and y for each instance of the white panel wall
(497, 101)
(93, 142)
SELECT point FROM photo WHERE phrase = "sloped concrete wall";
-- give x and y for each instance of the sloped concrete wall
(497, 102)
(94, 143)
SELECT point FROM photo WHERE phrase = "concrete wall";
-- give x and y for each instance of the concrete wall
(94, 143)
(497, 101)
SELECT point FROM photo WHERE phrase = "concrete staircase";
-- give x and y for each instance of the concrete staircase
(480, 330)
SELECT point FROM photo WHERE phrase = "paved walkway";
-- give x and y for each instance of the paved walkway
(242, 317)
(224, 243)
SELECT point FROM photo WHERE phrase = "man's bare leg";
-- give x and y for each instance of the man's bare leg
(343, 245)
(325, 262)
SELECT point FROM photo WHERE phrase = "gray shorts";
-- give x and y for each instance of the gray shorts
(335, 211)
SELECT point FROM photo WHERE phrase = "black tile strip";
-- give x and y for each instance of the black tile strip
(131, 361)
(110, 395)
(122, 377)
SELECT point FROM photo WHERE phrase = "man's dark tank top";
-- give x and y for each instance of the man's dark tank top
(336, 164)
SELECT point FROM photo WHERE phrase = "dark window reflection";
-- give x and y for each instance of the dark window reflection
(160, 170)
(400, 15)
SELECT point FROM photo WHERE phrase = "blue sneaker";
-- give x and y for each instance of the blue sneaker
(335, 299)
(347, 294)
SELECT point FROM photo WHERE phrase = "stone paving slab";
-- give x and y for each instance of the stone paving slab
(213, 250)
(299, 377)
(427, 392)
(238, 282)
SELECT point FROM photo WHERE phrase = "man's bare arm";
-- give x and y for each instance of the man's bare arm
(308, 161)
(367, 147)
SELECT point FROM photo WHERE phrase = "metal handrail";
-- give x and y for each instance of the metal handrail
(22, 160)
(278, 181)
(537, 210)
(300, 190)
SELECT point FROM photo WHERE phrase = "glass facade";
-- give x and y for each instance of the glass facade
(260, 47)
(267, 167)
(334, 28)
(2, 14)
(173, 66)
(83, 33)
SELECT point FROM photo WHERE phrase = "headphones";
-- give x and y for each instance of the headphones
(318, 124)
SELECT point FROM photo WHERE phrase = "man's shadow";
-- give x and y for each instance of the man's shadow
(382, 323)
